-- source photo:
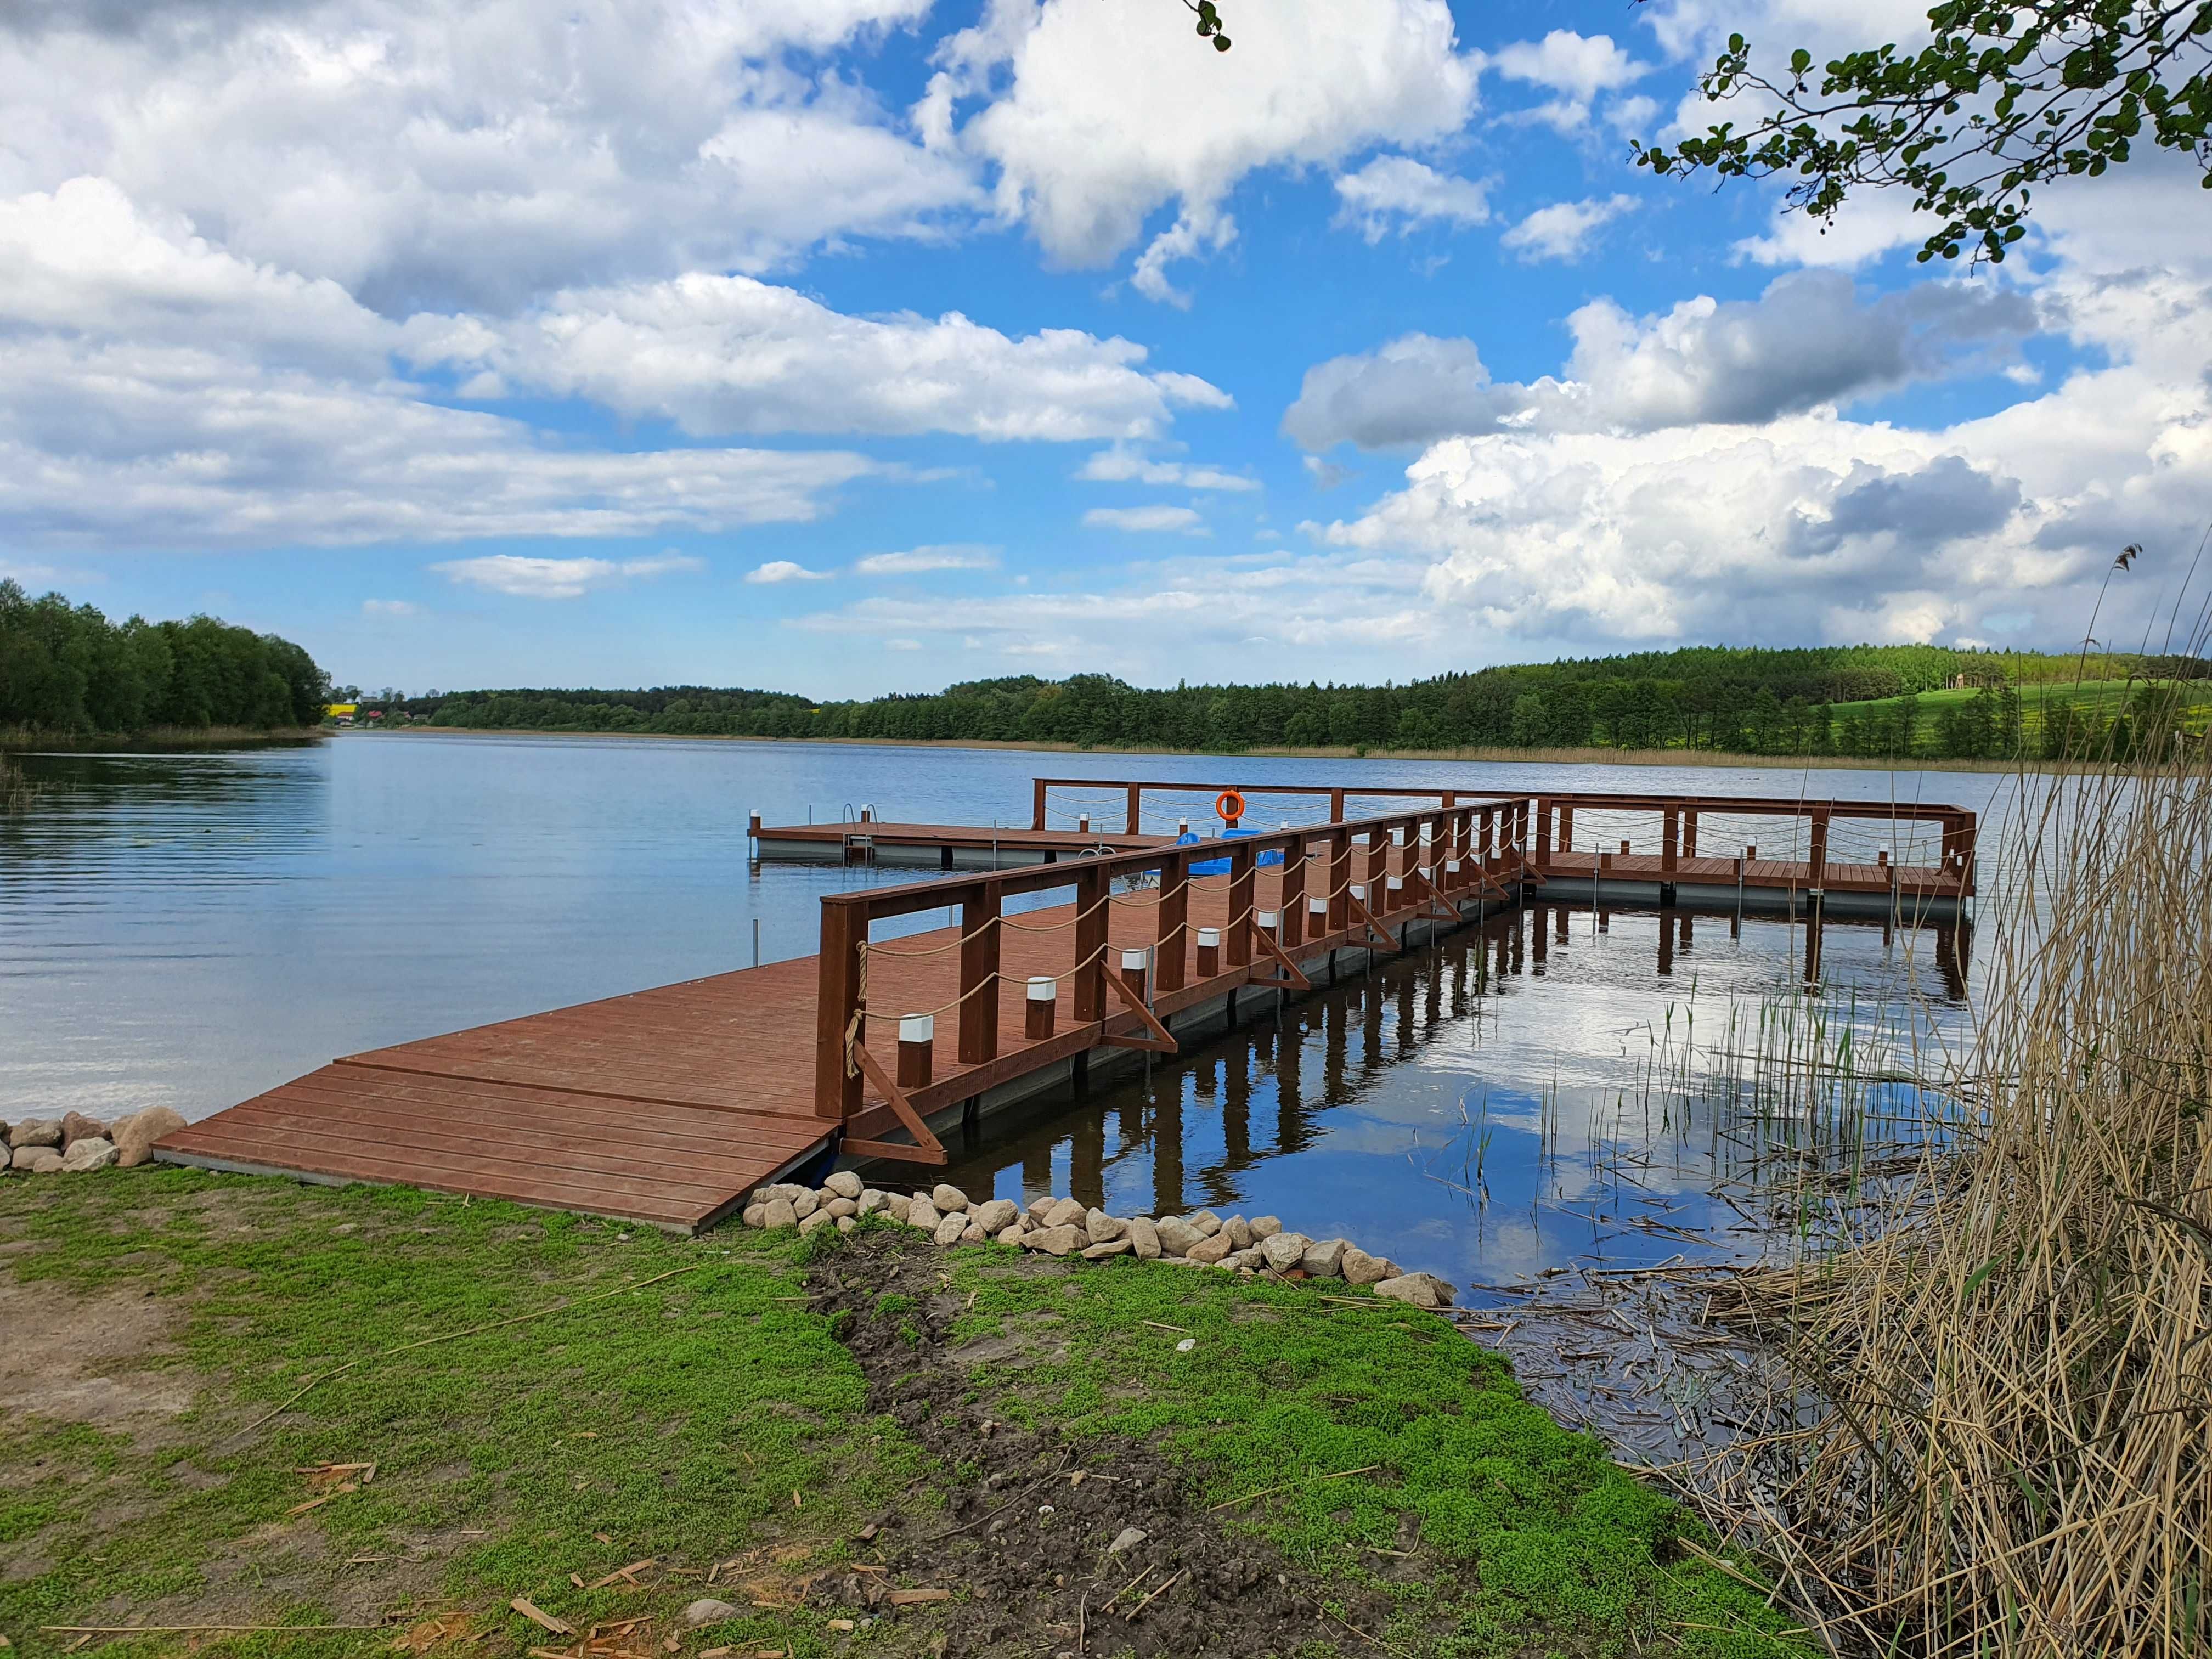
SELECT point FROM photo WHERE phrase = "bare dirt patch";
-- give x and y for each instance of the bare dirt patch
(79, 1359)
(1025, 1539)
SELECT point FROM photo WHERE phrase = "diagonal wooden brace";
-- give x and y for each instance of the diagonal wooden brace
(1160, 1043)
(927, 1148)
(1450, 912)
(1376, 930)
(1289, 976)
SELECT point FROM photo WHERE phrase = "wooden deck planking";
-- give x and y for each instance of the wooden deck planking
(1013, 838)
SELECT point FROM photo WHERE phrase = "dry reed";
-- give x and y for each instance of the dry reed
(1997, 1433)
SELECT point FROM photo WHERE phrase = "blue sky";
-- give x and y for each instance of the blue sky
(866, 345)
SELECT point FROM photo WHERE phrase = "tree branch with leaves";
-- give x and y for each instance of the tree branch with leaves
(1209, 23)
(2003, 98)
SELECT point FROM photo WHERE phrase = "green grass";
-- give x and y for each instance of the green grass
(2105, 697)
(1533, 1534)
(676, 1419)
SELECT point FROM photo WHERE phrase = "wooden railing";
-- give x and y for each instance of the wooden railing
(1678, 815)
(1438, 855)
(1486, 841)
(1339, 797)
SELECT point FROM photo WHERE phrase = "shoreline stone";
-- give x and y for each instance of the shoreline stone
(134, 1136)
(1053, 1241)
(1050, 1224)
(1210, 1250)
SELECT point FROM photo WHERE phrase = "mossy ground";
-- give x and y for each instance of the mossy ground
(709, 1416)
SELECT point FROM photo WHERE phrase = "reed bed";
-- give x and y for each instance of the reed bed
(1993, 1431)
(17, 792)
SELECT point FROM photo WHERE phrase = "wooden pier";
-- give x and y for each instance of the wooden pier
(669, 1106)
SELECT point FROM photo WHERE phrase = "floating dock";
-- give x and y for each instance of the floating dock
(669, 1106)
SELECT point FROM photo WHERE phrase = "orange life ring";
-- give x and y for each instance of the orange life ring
(1229, 806)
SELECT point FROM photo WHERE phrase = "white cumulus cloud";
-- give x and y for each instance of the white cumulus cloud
(1397, 189)
(1182, 520)
(557, 578)
(1094, 117)
(1563, 230)
(1122, 465)
(1811, 338)
(731, 354)
(784, 570)
(421, 155)
(921, 561)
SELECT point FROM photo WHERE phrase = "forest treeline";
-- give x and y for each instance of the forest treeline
(1803, 702)
(68, 668)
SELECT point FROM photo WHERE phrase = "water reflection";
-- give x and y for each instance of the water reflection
(1448, 1110)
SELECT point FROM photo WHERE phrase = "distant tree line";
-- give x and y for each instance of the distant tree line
(67, 668)
(1806, 701)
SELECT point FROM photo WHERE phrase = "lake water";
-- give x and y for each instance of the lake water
(190, 930)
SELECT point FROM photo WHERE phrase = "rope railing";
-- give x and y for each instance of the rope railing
(867, 949)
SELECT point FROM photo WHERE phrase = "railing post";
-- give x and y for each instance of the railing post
(1566, 829)
(1378, 867)
(979, 967)
(1670, 839)
(1174, 951)
(1336, 806)
(1136, 808)
(1818, 863)
(1543, 834)
(1236, 935)
(1036, 804)
(1290, 915)
(1490, 840)
(1689, 834)
(1093, 917)
(838, 999)
(1340, 878)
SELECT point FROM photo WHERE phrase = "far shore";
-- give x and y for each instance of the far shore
(1701, 757)
(159, 738)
